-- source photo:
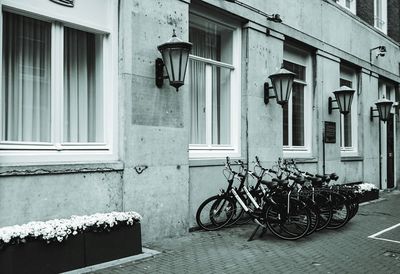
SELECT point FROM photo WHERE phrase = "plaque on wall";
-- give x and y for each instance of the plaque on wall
(68, 3)
(330, 132)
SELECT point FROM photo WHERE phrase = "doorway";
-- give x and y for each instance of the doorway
(390, 151)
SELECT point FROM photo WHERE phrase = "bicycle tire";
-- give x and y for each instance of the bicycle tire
(210, 217)
(288, 226)
(325, 211)
(341, 211)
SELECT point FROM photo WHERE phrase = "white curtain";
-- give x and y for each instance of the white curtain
(82, 88)
(25, 95)
(207, 44)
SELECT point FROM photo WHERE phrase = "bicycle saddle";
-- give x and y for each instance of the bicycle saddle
(270, 184)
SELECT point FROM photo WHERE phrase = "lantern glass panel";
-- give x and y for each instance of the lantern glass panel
(185, 59)
(344, 98)
(167, 61)
(282, 85)
(384, 109)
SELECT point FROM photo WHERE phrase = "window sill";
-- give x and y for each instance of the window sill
(297, 154)
(351, 158)
(60, 168)
(305, 160)
(212, 162)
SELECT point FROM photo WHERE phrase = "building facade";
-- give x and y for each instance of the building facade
(84, 129)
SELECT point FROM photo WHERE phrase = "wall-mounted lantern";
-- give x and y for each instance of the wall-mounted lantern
(282, 84)
(383, 107)
(380, 51)
(175, 56)
(343, 98)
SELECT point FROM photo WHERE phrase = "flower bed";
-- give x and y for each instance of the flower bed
(367, 192)
(66, 244)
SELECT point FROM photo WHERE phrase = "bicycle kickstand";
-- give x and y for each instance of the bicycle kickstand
(254, 233)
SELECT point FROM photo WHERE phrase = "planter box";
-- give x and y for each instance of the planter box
(369, 195)
(88, 248)
(122, 241)
(37, 256)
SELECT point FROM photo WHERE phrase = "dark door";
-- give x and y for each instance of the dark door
(390, 152)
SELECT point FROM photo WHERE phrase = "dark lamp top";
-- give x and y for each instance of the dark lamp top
(383, 102)
(282, 73)
(175, 42)
(343, 90)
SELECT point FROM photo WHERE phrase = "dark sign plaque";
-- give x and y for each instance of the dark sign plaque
(330, 132)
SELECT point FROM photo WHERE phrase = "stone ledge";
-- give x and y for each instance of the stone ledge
(60, 168)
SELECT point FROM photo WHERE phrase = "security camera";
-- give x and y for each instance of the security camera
(275, 18)
(381, 51)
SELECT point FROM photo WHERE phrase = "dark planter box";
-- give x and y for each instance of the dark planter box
(122, 241)
(36, 256)
(88, 248)
(369, 195)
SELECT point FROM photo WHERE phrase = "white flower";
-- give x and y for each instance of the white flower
(365, 187)
(59, 229)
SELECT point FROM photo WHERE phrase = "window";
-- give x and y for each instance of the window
(214, 70)
(348, 123)
(380, 15)
(52, 91)
(348, 4)
(297, 113)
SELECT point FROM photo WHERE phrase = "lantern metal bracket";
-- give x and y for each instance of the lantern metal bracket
(266, 93)
(371, 113)
(160, 73)
(330, 105)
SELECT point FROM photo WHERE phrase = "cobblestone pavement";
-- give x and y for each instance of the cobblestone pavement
(348, 250)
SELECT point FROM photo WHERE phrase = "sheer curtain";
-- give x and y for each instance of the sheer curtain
(204, 45)
(207, 43)
(82, 89)
(26, 80)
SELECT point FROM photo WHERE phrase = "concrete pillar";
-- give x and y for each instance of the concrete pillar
(264, 129)
(155, 120)
(328, 75)
(369, 82)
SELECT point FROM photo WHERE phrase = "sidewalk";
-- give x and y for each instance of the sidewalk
(348, 250)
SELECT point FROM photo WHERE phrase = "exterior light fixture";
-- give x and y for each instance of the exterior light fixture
(343, 98)
(276, 18)
(175, 56)
(282, 84)
(383, 107)
(381, 50)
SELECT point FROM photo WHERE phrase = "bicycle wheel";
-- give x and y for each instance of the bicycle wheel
(325, 211)
(288, 226)
(215, 212)
(314, 211)
(341, 211)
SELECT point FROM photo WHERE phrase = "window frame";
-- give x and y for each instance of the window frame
(353, 5)
(384, 19)
(56, 151)
(300, 57)
(208, 150)
(350, 74)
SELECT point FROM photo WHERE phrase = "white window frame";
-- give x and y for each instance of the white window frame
(303, 58)
(21, 153)
(383, 18)
(201, 151)
(351, 75)
(352, 7)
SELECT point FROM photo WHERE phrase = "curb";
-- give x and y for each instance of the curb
(147, 253)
